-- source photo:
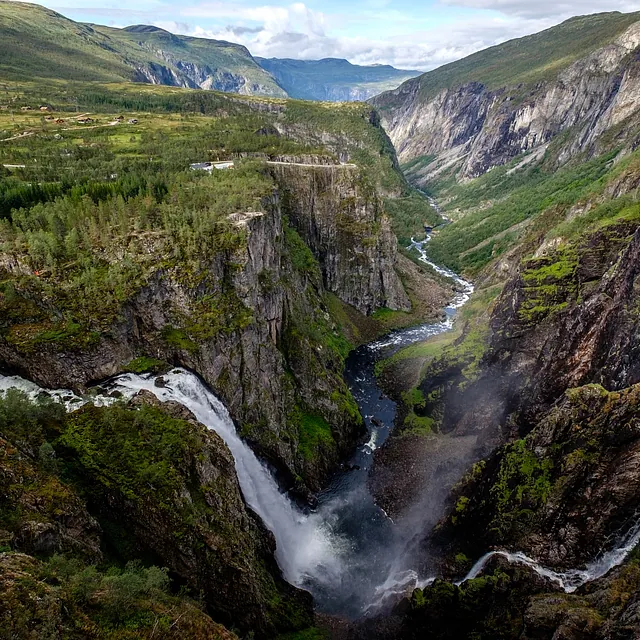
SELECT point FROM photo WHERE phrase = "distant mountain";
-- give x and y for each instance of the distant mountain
(36, 42)
(333, 79)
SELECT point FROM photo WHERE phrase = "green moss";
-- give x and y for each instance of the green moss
(61, 336)
(462, 504)
(549, 284)
(145, 364)
(523, 485)
(302, 259)
(549, 270)
(178, 339)
(414, 398)
(129, 451)
(214, 314)
(417, 425)
(314, 434)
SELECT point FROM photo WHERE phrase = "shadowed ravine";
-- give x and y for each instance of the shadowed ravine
(346, 552)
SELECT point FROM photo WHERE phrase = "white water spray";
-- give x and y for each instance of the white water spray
(305, 546)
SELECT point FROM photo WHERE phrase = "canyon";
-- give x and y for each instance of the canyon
(235, 399)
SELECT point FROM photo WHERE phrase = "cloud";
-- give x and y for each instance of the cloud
(546, 8)
(371, 32)
(296, 31)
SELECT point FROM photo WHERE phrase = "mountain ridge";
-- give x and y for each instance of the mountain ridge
(40, 43)
(333, 79)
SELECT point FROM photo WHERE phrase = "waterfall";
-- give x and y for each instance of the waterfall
(305, 546)
(308, 551)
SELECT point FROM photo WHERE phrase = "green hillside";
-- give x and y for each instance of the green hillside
(36, 42)
(141, 41)
(527, 60)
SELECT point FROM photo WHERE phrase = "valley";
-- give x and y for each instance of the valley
(283, 369)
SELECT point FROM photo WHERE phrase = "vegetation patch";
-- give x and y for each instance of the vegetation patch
(145, 364)
(314, 435)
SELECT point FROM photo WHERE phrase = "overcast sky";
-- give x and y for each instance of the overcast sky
(406, 34)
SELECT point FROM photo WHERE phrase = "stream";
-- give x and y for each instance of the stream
(346, 551)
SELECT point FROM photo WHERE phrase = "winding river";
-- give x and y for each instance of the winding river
(346, 552)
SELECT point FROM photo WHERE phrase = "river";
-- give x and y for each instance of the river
(346, 551)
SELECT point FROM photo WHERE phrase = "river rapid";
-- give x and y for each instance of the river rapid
(346, 551)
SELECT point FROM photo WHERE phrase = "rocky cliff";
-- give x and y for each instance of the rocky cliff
(254, 316)
(532, 404)
(464, 117)
(354, 242)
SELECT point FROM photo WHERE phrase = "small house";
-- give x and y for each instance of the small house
(59, 121)
(25, 108)
(45, 108)
(120, 118)
(428, 228)
(85, 120)
(133, 121)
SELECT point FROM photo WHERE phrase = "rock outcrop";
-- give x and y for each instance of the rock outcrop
(475, 127)
(254, 317)
(121, 486)
(354, 242)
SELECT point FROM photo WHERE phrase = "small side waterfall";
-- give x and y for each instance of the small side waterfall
(571, 580)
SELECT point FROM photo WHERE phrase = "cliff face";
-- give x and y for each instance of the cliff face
(475, 128)
(256, 315)
(556, 380)
(354, 242)
(114, 485)
(185, 73)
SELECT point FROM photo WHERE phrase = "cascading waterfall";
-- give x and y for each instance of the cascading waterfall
(571, 580)
(309, 551)
(348, 553)
(305, 546)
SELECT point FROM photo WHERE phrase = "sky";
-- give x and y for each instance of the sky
(409, 35)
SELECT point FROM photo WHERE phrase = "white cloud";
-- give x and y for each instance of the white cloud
(296, 31)
(547, 8)
(388, 33)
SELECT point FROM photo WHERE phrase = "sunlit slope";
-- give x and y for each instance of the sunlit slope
(36, 42)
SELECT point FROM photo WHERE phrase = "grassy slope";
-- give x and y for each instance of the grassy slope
(526, 60)
(38, 43)
(215, 54)
(297, 76)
